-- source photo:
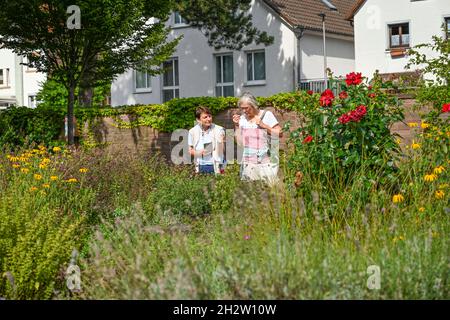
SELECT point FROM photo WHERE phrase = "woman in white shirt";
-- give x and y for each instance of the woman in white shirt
(258, 131)
(206, 141)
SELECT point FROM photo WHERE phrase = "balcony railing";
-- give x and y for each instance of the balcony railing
(318, 85)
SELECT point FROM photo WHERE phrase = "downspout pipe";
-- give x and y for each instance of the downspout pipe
(298, 32)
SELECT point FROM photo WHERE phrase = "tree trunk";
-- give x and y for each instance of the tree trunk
(86, 95)
(70, 112)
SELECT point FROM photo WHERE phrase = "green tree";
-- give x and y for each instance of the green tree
(226, 23)
(113, 36)
(437, 89)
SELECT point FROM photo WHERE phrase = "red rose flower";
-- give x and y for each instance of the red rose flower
(369, 87)
(308, 139)
(353, 78)
(354, 115)
(343, 95)
(344, 119)
(361, 111)
(446, 107)
(310, 92)
(372, 95)
(326, 98)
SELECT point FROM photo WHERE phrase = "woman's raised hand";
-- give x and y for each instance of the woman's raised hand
(236, 118)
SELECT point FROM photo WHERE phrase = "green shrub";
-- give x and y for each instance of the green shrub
(45, 123)
(35, 247)
(20, 125)
(347, 133)
(435, 89)
(182, 194)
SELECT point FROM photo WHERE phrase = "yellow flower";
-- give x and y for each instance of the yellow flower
(72, 180)
(22, 159)
(398, 198)
(439, 194)
(83, 170)
(46, 185)
(46, 161)
(35, 150)
(413, 124)
(56, 149)
(42, 166)
(424, 125)
(399, 238)
(421, 209)
(25, 170)
(16, 166)
(439, 170)
(37, 177)
(33, 189)
(430, 177)
(415, 145)
(54, 178)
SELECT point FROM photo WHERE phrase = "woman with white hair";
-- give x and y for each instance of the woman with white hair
(258, 131)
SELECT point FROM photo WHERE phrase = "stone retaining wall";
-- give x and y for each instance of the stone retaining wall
(146, 139)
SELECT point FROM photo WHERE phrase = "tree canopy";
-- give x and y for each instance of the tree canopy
(102, 39)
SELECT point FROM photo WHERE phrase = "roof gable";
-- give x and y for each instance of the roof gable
(305, 13)
(355, 9)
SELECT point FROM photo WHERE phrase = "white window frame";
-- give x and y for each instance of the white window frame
(223, 84)
(148, 88)
(181, 23)
(5, 75)
(176, 76)
(255, 82)
(36, 102)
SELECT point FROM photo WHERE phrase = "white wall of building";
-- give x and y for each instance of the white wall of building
(340, 56)
(372, 35)
(22, 81)
(197, 62)
(7, 62)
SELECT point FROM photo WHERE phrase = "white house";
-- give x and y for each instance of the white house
(385, 29)
(19, 84)
(296, 56)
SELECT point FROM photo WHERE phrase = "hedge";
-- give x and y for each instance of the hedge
(19, 125)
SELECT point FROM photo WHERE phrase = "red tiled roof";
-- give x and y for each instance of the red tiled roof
(305, 13)
(355, 8)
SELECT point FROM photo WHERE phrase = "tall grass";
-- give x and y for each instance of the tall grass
(278, 244)
(143, 235)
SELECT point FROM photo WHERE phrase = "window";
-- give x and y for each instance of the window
(256, 66)
(4, 77)
(178, 19)
(399, 35)
(142, 80)
(224, 76)
(447, 28)
(32, 102)
(171, 85)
